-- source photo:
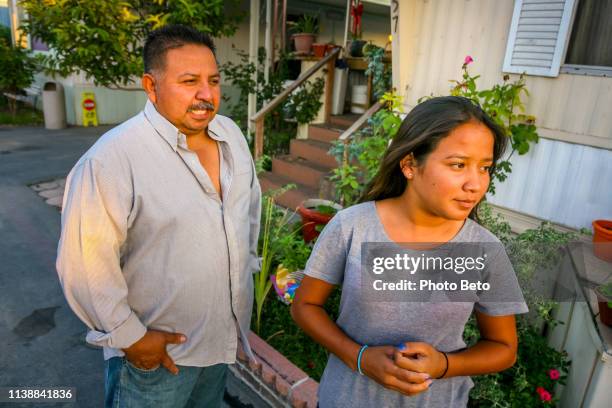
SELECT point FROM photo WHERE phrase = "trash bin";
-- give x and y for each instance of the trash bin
(54, 109)
(339, 92)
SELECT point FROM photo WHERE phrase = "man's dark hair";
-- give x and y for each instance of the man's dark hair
(167, 38)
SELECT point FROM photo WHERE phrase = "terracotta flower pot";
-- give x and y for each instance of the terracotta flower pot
(303, 42)
(319, 50)
(605, 312)
(311, 218)
(602, 239)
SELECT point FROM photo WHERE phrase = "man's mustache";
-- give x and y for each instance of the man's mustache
(202, 106)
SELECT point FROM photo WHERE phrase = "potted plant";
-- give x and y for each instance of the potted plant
(305, 31)
(319, 49)
(604, 301)
(602, 239)
(315, 214)
(356, 46)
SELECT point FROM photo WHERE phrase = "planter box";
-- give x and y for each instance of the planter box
(277, 380)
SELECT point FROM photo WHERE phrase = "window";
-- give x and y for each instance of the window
(544, 34)
(590, 42)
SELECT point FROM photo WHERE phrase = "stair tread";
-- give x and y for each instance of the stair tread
(288, 158)
(316, 143)
(331, 126)
(281, 181)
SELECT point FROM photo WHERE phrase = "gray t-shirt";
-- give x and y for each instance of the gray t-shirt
(336, 259)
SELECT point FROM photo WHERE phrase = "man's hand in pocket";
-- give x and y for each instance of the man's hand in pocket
(150, 351)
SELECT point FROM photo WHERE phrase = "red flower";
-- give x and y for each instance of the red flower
(544, 395)
(554, 374)
(468, 60)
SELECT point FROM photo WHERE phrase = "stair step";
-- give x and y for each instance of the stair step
(290, 199)
(324, 133)
(343, 121)
(299, 170)
(314, 151)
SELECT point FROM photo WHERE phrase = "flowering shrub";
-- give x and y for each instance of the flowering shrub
(539, 367)
(503, 103)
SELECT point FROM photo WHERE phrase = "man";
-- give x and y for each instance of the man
(159, 235)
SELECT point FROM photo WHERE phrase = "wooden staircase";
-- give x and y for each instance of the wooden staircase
(307, 164)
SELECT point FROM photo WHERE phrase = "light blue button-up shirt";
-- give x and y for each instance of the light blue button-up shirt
(148, 243)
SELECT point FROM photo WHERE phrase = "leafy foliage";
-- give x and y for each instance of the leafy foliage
(17, 69)
(280, 241)
(518, 386)
(306, 24)
(504, 104)
(104, 38)
(381, 73)
(304, 103)
(279, 330)
(365, 150)
(301, 106)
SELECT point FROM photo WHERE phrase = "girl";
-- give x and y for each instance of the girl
(411, 354)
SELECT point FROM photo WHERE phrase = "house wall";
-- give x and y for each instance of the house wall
(435, 37)
(561, 178)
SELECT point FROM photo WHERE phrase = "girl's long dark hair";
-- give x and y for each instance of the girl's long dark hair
(419, 134)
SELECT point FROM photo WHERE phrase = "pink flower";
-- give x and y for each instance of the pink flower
(554, 374)
(468, 60)
(544, 395)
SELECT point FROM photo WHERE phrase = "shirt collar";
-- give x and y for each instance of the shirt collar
(171, 134)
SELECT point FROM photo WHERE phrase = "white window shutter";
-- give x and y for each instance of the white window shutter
(538, 37)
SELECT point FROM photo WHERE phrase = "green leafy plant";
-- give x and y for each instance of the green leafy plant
(326, 209)
(104, 38)
(306, 24)
(360, 159)
(606, 290)
(346, 184)
(504, 104)
(17, 69)
(240, 75)
(530, 382)
(278, 243)
(304, 104)
(264, 163)
(380, 72)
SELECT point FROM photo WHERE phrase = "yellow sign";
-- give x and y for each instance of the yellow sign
(88, 105)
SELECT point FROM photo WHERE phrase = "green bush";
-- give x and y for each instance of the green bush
(17, 69)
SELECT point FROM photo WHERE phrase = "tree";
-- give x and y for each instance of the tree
(104, 38)
(16, 69)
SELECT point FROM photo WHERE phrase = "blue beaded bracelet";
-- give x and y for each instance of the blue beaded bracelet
(363, 348)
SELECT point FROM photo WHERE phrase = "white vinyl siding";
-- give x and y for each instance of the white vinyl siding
(560, 182)
(538, 36)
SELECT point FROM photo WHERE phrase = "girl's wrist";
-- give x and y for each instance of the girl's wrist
(444, 365)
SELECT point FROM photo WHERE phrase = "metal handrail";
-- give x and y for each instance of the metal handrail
(258, 118)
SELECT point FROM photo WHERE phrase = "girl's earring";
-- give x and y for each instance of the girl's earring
(409, 175)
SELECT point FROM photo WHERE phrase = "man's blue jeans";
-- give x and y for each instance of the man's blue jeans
(128, 386)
